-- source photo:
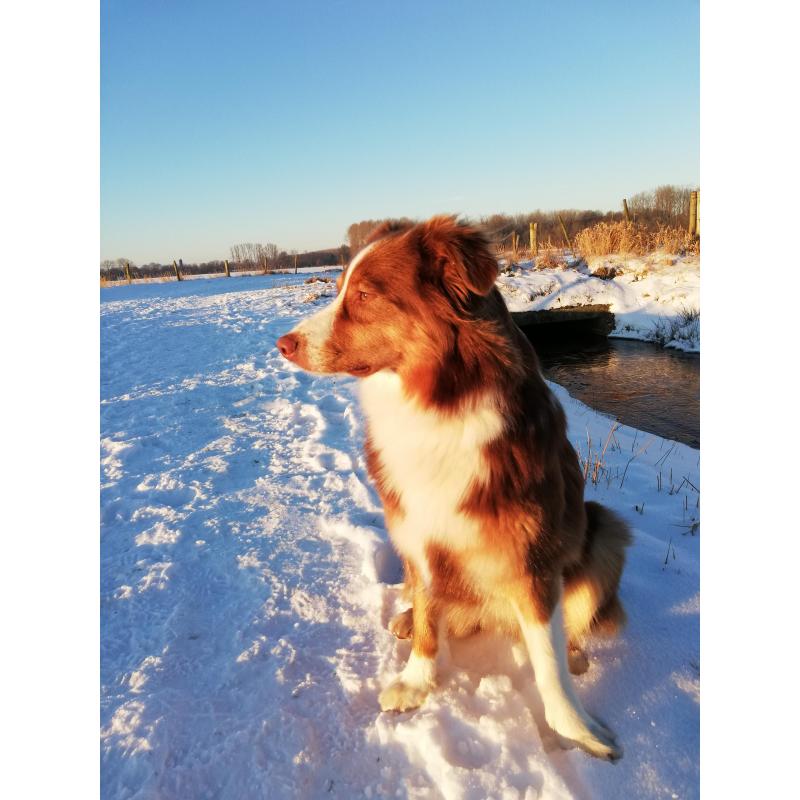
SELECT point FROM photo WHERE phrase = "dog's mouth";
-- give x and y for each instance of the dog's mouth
(360, 371)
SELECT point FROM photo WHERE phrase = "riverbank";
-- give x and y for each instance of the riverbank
(247, 579)
(654, 298)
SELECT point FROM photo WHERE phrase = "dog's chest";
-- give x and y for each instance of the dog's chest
(430, 461)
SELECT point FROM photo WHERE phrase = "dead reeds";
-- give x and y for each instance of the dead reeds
(606, 238)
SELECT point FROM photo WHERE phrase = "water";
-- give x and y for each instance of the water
(640, 384)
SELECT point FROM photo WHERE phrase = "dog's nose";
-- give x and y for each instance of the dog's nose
(287, 345)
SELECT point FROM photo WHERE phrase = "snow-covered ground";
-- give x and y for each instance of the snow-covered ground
(653, 297)
(217, 275)
(247, 581)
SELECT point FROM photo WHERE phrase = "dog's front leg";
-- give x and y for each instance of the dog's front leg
(538, 610)
(411, 687)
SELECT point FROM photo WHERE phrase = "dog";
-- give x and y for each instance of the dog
(467, 447)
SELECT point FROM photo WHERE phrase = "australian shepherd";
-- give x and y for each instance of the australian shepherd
(467, 446)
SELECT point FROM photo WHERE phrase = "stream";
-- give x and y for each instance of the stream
(642, 385)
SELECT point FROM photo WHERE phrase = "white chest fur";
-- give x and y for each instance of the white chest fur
(430, 460)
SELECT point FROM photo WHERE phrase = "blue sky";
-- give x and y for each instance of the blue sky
(286, 121)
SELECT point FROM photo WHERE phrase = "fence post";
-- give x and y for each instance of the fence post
(227, 269)
(625, 209)
(564, 231)
(128, 271)
(534, 239)
(697, 217)
(177, 271)
(693, 214)
(697, 224)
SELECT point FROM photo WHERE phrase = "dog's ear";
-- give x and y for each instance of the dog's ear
(459, 256)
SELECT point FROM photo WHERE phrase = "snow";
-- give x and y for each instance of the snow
(216, 275)
(650, 299)
(247, 581)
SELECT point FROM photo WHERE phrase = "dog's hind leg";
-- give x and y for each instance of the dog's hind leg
(610, 618)
(577, 659)
(591, 603)
(402, 624)
(409, 689)
(539, 613)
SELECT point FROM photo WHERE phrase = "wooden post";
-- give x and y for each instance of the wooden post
(697, 214)
(513, 245)
(625, 209)
(177, 271)
(227, 269)
(534, 239)
(693, 214)
(128, 271)
(564, 231)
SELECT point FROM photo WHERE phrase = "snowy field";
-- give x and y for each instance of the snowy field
(247, 581)
(653, 297)
(272, 277)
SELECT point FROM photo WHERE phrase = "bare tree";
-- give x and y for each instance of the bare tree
(253, 255)
(358, 232)
(267, 255)
(668, 205)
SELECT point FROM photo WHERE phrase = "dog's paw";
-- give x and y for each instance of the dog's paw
(578, 661)
(402, 624)
(592, 737)
(402, 696)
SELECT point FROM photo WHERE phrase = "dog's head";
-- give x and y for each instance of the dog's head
(399, 301)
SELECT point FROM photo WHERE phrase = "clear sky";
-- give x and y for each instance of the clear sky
(242, 121)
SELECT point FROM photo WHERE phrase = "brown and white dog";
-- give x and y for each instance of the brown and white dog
(482, 491)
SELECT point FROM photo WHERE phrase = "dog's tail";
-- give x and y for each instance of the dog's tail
(591, 602)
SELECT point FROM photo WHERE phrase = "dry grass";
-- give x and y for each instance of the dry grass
(633, 238)
(551, 259)
(685, 327)
(594, 465)
(554, 254)
(675, 240)
(613, 237)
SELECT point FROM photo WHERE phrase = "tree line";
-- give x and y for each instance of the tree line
(666, 205)
(246, 257)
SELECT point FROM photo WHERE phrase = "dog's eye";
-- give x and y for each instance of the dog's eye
(362, 295)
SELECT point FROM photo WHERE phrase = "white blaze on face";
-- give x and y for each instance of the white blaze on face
(316, 330)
